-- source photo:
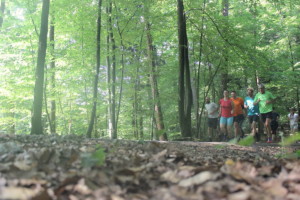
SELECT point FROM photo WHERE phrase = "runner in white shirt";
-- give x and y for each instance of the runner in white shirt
(294, 118)
(212, 116)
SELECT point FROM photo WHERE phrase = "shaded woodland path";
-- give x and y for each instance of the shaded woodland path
(73, 167)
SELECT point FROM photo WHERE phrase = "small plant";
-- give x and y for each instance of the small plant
(95, 158)
(233, 141)
(247, 141)
(141, 141)
(290, 140)
(286, 142)
(220, 146)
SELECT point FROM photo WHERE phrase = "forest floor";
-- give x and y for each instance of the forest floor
(73, 167)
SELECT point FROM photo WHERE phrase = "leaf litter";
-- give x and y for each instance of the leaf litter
(74, 167)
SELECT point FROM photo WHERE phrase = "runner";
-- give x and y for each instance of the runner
(265, 101)
(294, 118)
(253, 113)
(226, 116)
(212, 117)
(238, 115)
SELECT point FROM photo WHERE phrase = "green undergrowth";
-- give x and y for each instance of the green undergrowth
(94, 158)
(285, 143)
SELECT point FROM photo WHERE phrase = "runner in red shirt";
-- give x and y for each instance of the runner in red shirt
(226, 117)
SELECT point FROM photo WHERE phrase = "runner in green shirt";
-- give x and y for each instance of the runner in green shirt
(265, 101)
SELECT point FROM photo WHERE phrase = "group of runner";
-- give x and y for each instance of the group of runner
(231, 113)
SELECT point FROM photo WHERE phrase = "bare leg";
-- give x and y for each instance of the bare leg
(223, 130)
(253, 129)
(236, 129)
(253, 126)
(229, 131)
(209, 132)
(268, 127)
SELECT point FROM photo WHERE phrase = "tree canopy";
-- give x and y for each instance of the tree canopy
(257, 40)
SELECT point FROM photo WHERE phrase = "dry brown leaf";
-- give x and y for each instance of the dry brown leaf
(20, 193)
(115, 197)
(82, 188)
(243, 195)
(240, 171)
(25, 161)
(171, 176)
(159, 155)
(274, 186)
(293, 196)
(265, 170)
(198, 179)
(294, 187)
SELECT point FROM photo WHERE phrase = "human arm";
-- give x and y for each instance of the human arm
(220, 108)
(271, 98)
(256, 100)
(232, 107)
(214, 110)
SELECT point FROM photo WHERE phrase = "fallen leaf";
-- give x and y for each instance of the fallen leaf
(170, 176)
(198, 179)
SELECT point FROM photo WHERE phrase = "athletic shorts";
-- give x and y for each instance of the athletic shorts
(226, 121)
(264, 116)
(294, 126)
(239, 118)
(253, 118)
(212, 123)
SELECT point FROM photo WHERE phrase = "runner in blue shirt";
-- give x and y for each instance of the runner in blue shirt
(252, 112)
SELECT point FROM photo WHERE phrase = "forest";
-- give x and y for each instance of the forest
(140, 69)
(105, 99)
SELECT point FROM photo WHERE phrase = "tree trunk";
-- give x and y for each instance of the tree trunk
(113, 75)
(108, 75)
(96, 80)
(52, 79)
(185, 90)
(2, 9)
(136, 103)
(36, 121)
(224, 74)
(198, 120)
(153, 81)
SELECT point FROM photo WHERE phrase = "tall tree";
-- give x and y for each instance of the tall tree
(52, 79)
(224, 74)
(111, 75)
(185, 90)
(36, 121)
(160, 126)
(2, 9)
(197, 95)
(154, 86)
(96, 79)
